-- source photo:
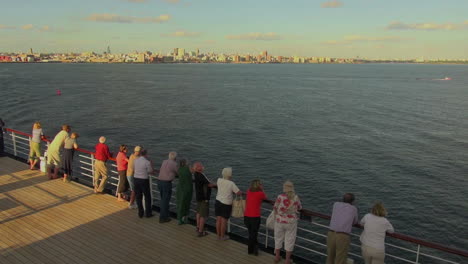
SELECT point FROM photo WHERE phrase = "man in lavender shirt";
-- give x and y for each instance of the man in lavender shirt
(344, 215)
(167, 173)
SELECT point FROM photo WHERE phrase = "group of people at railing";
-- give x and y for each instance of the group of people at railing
(134, 174)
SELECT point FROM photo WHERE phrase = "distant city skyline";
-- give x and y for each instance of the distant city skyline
(328, 28)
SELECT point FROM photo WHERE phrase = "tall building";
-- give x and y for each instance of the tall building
(108, 50)
(259, 58)
(198, 52)
(176, 50)
(30, 51)
(265, 54)
(180, 52)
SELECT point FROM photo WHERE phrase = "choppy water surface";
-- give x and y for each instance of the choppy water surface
(385, 132)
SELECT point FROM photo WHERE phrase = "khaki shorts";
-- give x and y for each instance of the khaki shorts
(202, 208)
(35, 151)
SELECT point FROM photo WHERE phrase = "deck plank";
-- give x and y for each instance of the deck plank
(43, 221)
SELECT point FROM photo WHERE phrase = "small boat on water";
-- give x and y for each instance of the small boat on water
(443, 79)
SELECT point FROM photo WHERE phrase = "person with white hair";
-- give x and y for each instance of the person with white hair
(167, 174)
(142, 168)
(223, 204)
(286, 209)
(130, 176)
(101, 155)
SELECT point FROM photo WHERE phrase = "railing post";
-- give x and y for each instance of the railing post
(266, 237)
(229, 225)
(92, 167)
(417, 254)
(13, 140)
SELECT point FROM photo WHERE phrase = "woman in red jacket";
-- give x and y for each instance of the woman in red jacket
(253, 204)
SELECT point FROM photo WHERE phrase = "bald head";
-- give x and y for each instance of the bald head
(348, 198)
(102, 140)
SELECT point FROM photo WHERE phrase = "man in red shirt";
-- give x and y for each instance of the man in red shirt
(101, 155)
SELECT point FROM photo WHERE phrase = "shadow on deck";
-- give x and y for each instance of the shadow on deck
(44, 221)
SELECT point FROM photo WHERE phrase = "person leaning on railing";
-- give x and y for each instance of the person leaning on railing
(373, 237)
(130, 178)
(122, 166)
(142, 169)
(344, 215)
(252, 214)
(287, 206)
(202, 193)
(223, 203)
(184, 192)
(53, 152)
(167, 174)
(101, 155)
(35, 145)
(68, 151)
(2, 145)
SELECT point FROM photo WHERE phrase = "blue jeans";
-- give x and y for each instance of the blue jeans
(165, 189)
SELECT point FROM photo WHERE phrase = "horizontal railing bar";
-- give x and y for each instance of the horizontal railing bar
(311, 250)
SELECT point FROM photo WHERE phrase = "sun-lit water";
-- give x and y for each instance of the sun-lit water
(385, 132)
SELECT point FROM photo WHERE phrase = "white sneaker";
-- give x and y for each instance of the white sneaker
(132, 206)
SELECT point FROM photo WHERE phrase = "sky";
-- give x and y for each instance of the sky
(378, 29)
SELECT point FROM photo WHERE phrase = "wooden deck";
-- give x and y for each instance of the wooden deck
(49, 221)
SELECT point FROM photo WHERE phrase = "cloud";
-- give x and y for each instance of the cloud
(6, 27)
(396, 25)
(364, 38)
(350, 39)
(255, 36)
(137, 1)
(336, 42)
(332, 4)
(182, 34)
(113, 18)
(172, 1)
(45, 29)
(27, 27)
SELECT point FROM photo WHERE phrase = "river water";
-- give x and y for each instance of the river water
(388, 132)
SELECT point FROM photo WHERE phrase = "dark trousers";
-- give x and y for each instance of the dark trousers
(252, 224)
(165, 189)
(142, 188)
(2, 145)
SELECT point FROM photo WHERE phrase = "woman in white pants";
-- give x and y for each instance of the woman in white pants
(286, 208)
(373, 237)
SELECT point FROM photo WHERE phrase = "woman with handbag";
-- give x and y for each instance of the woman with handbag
(286, 209)
(255, 196)
(223, 204)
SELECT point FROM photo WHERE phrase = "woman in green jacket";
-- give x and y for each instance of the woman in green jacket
(184, 192)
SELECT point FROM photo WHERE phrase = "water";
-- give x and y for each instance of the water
(385, 132)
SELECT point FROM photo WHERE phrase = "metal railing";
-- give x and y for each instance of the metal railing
(312, 228)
